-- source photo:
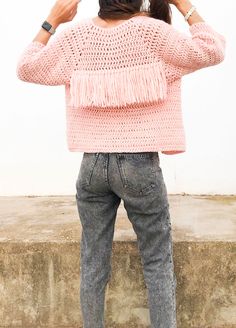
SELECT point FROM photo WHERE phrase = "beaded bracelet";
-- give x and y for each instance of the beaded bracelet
(189, 13)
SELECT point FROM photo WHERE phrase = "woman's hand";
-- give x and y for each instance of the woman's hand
(63, 11)
(184, 6)
(173, 2)
(178, 3)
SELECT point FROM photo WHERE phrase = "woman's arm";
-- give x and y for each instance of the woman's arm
(183, 53)
(44, 62)
(63, 11)
(184, 6)
(43, 36)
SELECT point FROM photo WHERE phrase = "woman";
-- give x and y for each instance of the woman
(122, 74)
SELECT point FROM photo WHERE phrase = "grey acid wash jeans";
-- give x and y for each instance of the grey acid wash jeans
(103, 180)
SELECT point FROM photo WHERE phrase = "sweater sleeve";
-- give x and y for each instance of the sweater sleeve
(46, 64)
(184, 53)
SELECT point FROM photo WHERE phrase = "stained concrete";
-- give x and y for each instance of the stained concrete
(39, 264)
(55, 218)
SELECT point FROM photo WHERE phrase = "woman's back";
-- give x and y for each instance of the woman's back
(123, 83)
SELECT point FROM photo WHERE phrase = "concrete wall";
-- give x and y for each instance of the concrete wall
(34, 158)
(40, 286)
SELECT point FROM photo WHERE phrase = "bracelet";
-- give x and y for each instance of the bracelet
(189, 13)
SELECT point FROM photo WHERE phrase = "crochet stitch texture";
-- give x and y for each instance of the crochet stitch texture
(122, 83)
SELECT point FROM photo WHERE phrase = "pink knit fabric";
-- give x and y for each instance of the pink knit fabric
(123, 83)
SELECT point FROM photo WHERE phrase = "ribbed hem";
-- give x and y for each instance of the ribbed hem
(172, 151)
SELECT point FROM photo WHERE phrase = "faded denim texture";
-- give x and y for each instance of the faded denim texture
(136, 178)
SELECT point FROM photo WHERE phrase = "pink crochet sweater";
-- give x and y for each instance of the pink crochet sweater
(122, 83)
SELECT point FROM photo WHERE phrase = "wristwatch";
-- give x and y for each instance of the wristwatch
(48, 27)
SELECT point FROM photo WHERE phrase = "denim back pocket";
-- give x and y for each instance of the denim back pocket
(86, 169)
(137, 171)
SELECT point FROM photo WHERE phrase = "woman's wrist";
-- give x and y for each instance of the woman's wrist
(44, 36)
(53, 21)
(184, 6)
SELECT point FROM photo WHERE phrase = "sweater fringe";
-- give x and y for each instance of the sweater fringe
(121, 87)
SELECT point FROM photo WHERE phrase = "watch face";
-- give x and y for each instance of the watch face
(46, 25)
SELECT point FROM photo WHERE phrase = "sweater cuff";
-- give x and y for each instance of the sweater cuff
(201, 27)
(38, 44)
(204, 27)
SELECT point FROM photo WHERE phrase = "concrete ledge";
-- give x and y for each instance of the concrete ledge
(39, 264)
